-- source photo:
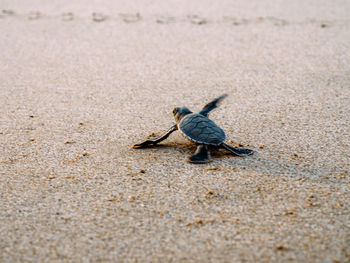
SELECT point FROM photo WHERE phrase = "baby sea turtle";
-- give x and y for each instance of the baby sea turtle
(198, 128)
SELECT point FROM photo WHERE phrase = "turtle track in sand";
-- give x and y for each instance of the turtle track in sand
(162, 19)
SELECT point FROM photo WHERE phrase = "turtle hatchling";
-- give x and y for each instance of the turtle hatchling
(197, 127)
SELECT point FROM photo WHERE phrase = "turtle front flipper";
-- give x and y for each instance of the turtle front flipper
(201, 155)
(153, 141)
(212, 105)
(237, 151)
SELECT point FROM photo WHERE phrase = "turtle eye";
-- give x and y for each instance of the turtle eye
(174, 111)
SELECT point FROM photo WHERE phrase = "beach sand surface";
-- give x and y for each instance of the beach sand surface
(80, 83)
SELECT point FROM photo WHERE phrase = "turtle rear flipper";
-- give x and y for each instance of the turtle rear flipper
(212, 105)
(154, 141)
(201, 155)
(237, 151)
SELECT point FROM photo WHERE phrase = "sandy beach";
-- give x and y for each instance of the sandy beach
(81, 83)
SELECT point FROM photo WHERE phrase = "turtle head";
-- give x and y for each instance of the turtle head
(180, 112)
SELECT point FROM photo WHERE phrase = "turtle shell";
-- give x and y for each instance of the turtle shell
(200, 129)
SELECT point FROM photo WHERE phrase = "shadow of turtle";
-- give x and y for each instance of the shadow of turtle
(258, 162)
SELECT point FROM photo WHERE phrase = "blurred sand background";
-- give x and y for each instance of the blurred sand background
(82, 81)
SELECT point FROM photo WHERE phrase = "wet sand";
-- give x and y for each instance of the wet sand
(81, 84)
